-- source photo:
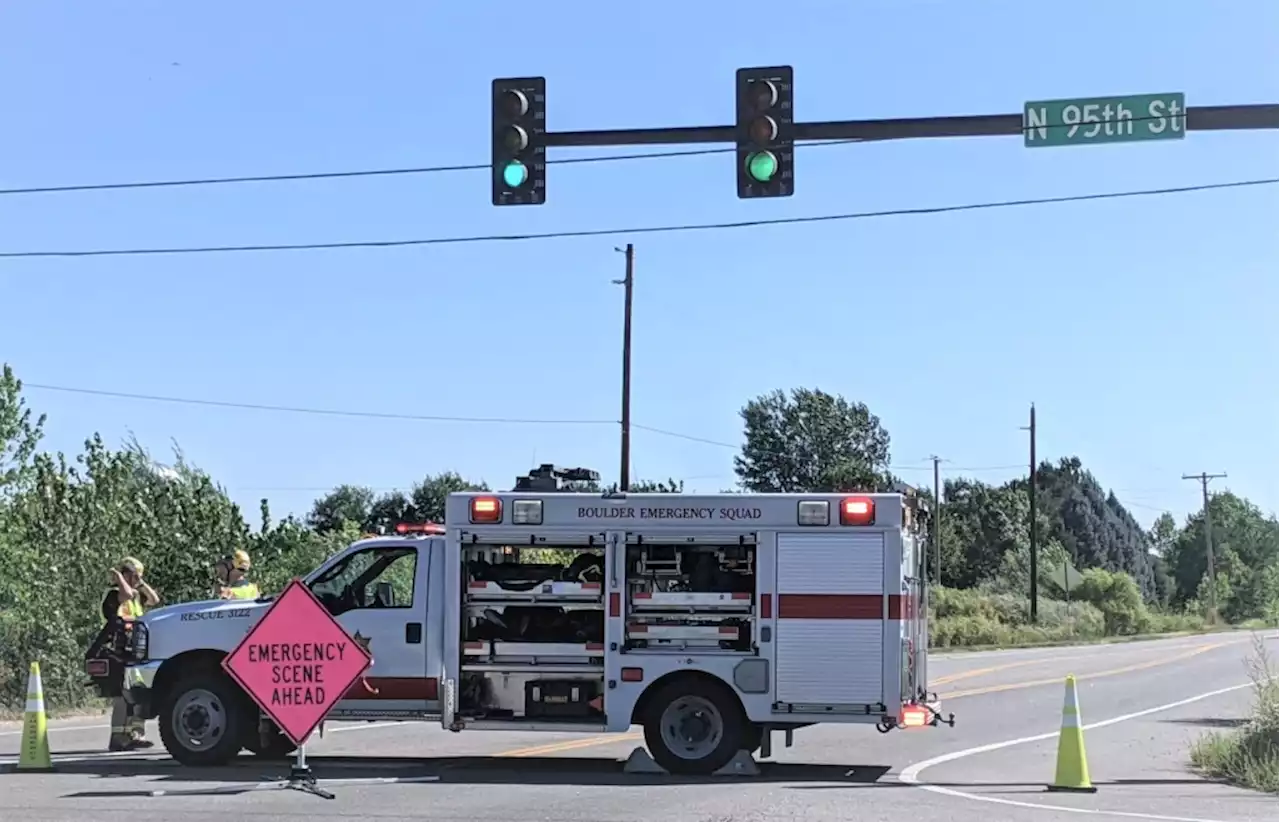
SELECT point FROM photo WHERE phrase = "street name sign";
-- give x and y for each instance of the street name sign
(297, 662)
(1090, 120)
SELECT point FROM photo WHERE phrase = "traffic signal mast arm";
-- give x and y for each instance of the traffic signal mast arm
(1198, 118)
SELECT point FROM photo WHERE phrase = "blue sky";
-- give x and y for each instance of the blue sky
(1145, 330)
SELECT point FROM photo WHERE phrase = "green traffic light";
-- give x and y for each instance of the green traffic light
(515, 174)
(762, 166)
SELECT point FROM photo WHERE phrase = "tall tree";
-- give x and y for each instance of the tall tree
(346, 503)
(671, 486)
(430, 494)
(389, 509)
(20, 432)
(1163, 533)
(811, 441)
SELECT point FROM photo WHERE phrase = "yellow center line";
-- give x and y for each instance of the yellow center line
(1141, 666)
(607, 739)
(956, 677)
(571, 744)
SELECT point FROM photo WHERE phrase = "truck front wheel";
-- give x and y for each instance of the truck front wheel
(695, 726)
(202, 719)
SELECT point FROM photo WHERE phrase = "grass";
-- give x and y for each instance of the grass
(1035, 640)
(1248, 756)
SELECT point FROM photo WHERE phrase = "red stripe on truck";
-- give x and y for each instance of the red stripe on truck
(838, 606)
(396, 687)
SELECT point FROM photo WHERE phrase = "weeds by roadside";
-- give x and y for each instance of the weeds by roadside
(1250, 755)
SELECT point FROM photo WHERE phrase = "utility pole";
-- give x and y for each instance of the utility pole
(937, 521)
(627, 283)
(1203, 478)
(1033, 534)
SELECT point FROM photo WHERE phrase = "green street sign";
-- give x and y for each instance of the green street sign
(1091, 120)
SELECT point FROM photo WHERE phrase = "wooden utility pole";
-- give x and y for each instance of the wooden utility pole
(1203, 478)
(627, 283)
(937, 521)
(1033, 534)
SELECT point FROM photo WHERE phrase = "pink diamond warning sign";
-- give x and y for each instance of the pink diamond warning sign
(297, 662)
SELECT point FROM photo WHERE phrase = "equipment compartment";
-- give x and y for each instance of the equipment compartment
(559, 699)
(532, 628)
(694, 594)
(533, 595)
(543, 695)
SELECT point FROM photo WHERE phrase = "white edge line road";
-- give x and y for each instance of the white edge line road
(12, 759)
(911, 775)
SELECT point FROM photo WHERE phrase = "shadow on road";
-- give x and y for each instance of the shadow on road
(1021, 787)
(1209, 721)
(250, 774)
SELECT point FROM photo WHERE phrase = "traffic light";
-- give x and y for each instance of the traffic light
(519, 141)
(765, 132)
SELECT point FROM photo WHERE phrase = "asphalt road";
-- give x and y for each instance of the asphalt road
(1149, 699)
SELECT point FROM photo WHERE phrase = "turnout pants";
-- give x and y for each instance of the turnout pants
(124, 725)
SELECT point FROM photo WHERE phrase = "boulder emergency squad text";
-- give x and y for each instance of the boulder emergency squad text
(627, 512)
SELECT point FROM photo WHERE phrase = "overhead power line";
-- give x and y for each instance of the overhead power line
(1204, 117)
(374, 172)
(385, 415)
(602, 232)
(330, 412)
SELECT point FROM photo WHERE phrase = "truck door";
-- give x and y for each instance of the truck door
(915, 636)
(379, 595)
(831, 621)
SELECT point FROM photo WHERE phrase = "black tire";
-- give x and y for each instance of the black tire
(752, 737)
(278, 746)
(723, 727)
(202, 719)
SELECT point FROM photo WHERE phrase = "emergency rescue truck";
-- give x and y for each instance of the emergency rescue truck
(710, 621)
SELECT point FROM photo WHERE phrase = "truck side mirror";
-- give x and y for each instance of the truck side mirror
(385, 595)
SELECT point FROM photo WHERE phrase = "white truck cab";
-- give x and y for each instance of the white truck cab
(711, 621)
(378, 589)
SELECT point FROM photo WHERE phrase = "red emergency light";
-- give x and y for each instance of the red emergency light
(486, 509)
(419, 528)
(857, 511)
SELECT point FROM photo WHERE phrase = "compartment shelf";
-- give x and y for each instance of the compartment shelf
(691, 601)
(531, 668)
(549, 651)
(548, 590)
(657, 633)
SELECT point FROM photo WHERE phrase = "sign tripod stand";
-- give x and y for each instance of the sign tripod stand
(300, 777)
(296, 664)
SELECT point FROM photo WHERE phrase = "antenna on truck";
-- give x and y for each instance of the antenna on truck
(549, 477)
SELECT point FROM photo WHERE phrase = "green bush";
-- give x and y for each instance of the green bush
(75, 520)
(1117, 596)
(1104, 605)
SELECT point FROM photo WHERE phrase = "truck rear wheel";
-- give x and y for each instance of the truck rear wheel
(694, 727)
(202, 719)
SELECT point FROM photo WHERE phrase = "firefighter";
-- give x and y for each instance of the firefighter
(231, 573)
(124, 602)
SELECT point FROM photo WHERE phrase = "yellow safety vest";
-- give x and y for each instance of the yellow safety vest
(129, 609)
(241, 590)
